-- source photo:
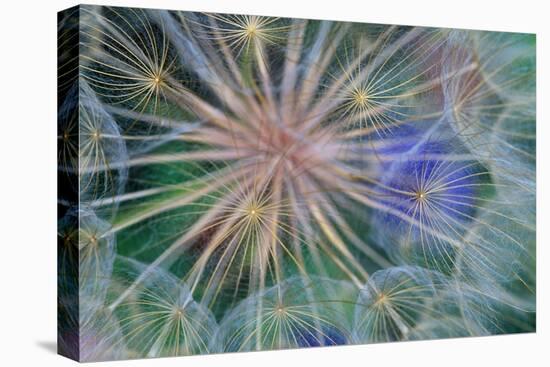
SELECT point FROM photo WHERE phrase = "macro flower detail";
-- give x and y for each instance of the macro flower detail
(241, 182)
(295, 313)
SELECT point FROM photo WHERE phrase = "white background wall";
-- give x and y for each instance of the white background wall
(28, 183)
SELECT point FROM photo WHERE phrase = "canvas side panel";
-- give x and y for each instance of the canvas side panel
(67, 183)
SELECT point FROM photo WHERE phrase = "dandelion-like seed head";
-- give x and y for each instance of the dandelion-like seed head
(68, 127)
(288, 315)
(291, 158)
(131, 69)
(435, 203)
(177, 325)
(246, 32)
(392, 302)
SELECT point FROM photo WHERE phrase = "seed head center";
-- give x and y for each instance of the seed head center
(251, 30)
(157, 80)
(381, 298)
(420, 195)
(361, 97)
(253, 211)
(178, 312)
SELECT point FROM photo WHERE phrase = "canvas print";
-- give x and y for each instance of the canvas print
(234, 183)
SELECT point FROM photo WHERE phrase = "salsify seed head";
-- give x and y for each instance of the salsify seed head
(251, 183)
